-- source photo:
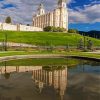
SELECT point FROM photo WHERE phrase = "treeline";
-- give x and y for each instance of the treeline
(94, 34)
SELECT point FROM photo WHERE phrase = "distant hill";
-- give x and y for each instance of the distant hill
(94, 34)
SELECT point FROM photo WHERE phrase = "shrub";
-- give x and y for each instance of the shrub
(48, 29)
(73, 31)
(54, 29)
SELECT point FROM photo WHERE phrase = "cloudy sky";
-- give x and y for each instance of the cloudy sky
(83, 14)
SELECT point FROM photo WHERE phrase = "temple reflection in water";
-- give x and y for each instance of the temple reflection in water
(57, 78)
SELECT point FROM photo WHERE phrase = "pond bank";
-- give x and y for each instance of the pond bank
(86, 58)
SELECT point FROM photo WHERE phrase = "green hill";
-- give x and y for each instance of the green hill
(44, 38)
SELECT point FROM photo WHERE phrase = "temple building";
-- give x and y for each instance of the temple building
(57, 18)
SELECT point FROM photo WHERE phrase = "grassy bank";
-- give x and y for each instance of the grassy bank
(83, 54)
(47, 61)
(44, 38)
(39, 62)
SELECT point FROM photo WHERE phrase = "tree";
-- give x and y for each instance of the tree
(67, 47)
(7, 75)
(8, 20)
(80, 44)
(28, 24)
(89, 44)
(73, 31)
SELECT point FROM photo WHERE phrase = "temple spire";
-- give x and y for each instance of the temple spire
(62, 3)
(41, 9)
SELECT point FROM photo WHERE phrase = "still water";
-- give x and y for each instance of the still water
(79, 80)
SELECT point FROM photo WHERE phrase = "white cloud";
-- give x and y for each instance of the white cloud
(25, 9)
(90, 14)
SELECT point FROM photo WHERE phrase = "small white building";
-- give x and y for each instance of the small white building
(56, 18)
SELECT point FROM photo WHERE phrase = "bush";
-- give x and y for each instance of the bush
(54, 29)
(48, 29)
(60, 29)
(73, 31)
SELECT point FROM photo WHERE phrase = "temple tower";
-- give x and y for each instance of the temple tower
(41, 10)
(62, 3)
(63, 22)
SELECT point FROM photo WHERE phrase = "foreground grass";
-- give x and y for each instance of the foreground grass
(45, 38)
(39, 62)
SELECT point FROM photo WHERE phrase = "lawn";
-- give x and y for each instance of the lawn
(45, 38)
(40, 62)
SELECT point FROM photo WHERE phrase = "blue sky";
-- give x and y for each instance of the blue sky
(84, 15)
(83, 5)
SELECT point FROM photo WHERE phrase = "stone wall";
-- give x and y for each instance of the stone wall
(10, 27)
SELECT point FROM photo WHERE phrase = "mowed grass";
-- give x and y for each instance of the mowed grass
(45, 38)
(39, 62)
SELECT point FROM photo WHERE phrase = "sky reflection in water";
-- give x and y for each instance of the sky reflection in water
(77, 82)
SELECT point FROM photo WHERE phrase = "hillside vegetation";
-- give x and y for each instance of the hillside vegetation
(44, 38)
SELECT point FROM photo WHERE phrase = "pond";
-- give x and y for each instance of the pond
(50, 79)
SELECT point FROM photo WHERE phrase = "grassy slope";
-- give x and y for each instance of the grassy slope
(43, 38)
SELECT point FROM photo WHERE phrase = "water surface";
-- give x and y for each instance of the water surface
(67, 79)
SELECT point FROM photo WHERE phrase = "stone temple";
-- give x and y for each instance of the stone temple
(57, 18)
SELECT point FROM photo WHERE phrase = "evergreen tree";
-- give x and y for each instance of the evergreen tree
(8, 20)
(80, 44)
(89, 44)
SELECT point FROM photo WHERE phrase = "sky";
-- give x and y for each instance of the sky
(84, 15)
